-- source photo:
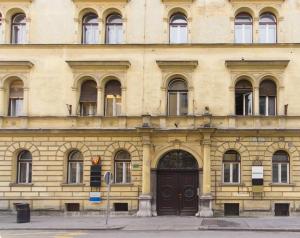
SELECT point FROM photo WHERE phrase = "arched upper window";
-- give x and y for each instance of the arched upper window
(90, 29)
(243, 28)
(18, 29)
(177, 98)
(267, 98)
(114, 29)
(113, 98)
(75, 167)
(88, 98)
(243, 98)
(16, 97)
(280, 167)
(267, 28)
(122, 167)
(24, 165)
(178, 29)
(231, 167)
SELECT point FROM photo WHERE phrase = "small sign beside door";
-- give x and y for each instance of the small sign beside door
(95, 197)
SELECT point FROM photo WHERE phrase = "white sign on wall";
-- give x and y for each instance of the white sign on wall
(257, 172)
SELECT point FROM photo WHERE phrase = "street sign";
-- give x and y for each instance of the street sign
(95, 197)
(108, 178)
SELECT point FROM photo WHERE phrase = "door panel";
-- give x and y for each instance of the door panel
(177, 192)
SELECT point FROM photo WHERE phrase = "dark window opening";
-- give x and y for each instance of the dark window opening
(73, 207)
(231, 209)
(282, 209)
(121, 207)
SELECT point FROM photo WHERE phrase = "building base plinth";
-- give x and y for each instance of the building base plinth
(144, 206)
(205, 209)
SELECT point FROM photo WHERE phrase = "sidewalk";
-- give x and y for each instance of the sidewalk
(168, 223)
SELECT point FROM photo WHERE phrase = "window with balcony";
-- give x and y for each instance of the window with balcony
(267, 28)
(16, 98)
(75, 167)
(243, 98)
(24, 166)
(18, 29)
(114, 29)
(243, 28)
(90, 29)
(177, 98)
(231, 167)
(178, 29)
(280, 167)
(267, 98)
(113, 98)
(122, 167)
(88, 98)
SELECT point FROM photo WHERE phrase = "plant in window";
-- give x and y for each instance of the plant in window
(231, 167)
(18, 29)
(178, 29)
(75, 167)
(24, 166)
(280, 167)
(88, 98)
(177, 98)
(122, 167)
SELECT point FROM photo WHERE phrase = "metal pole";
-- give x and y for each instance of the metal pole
(108, 207)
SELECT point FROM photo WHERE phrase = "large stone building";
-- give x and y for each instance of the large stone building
(193, 105)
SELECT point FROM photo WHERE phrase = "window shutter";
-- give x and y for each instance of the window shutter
(88, 91)
(113, 87)
(16, 89)
(267, 88)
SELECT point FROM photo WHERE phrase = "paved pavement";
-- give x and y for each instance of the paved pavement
(163, 223)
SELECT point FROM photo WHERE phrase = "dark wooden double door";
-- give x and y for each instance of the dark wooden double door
(177, 192)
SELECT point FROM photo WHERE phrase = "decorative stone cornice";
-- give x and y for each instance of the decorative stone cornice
(234, 64)
(184, 64)
(177, 1)
(102, 1)
(121, 65)
(9, 1)
(255, 1)
(16, 64)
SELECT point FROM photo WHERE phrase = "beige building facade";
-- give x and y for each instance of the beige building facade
(193, 105)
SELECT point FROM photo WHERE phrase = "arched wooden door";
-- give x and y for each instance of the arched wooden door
(177, 184)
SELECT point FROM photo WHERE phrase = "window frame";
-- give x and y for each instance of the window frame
(243, 91)
(91, 105)
(179, 27)
(14, 37)
(266, 98)
(231, 168)
(85, 24)
(28, 169)
(179, 94)
(79, 164)
(268, 24)
(243, 24)
(279, 172)
(117, 27)
(124, 163)
(116, 99)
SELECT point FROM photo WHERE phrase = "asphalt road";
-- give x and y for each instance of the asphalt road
(144, 234)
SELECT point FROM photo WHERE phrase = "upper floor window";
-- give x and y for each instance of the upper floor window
(75, 167)
(178, 29)
(267, 98)
(1, 28)
(243, 98)
(88, 98)
(18, 29)
(280, 167)
(267, 28)
(90, 29)
(16, 96)
(177, 98)
(231, 167)
(24, 165)
(113, 98)
(122, 167)
(114, 29)
(243, 28)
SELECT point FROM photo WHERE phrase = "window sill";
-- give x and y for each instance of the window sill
(231, 184)
(21, 184)
(282, 184)
(122, 185)
(72, 184)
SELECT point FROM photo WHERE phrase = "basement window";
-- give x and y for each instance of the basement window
(282, 209)
(72, 207)
(231, 209)
(121, 207)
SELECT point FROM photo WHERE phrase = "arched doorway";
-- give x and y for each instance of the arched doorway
(177, 184)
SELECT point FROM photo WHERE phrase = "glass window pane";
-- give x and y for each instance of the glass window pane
(183, 34)
(128, 172)
(272, 106)
(248, 33)
(81, 172)
(22, 172)
(30, 172)
(173, 34)
(119, 172)
(118, 105)
(173, 104)
(72, 172)
(235, 173)
(226, 173)
(109, 105)
(119, 31)
(275, 173)
(238, 34)
(263, 34)
(284, 173)
(262, 105)
(272, 34)
(183, 104)
(239, 104)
